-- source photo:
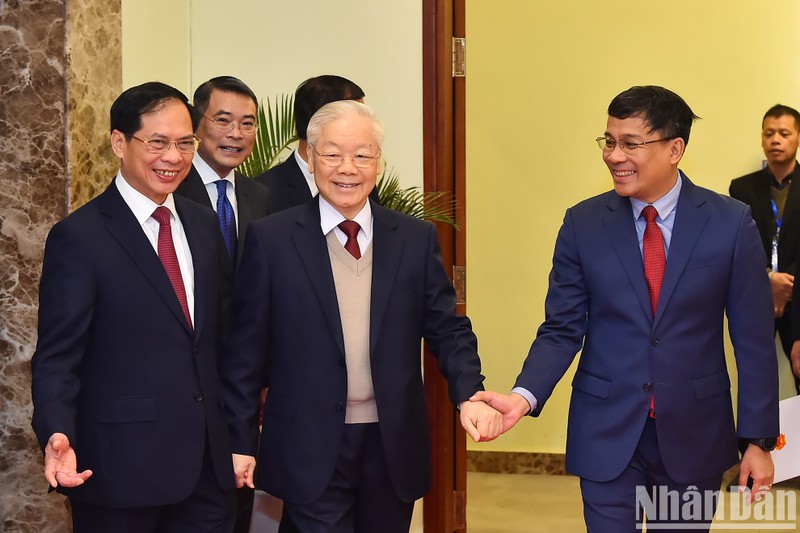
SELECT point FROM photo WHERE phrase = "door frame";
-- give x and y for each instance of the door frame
(444, 164)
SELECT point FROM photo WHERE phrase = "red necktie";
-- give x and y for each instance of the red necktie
(166, 252)
(655, 261)
(350, 228)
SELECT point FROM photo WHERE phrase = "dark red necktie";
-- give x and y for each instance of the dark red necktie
(166, 252)
(350, 228)
(655, 261)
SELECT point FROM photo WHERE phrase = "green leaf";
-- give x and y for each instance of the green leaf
(275, 134)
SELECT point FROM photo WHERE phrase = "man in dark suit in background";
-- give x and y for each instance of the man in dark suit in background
(226, 122)
(773, 194)
(333, 298)
(290, 182)
(642, 279)
(126, 397)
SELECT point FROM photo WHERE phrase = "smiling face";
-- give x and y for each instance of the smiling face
(156, 175)
(346, 187)
(780, 139)
(224, 151)
(650, 171)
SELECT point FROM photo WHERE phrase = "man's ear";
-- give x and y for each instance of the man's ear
(677, 149)
(118, 142)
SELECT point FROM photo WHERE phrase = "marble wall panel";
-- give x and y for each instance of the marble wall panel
(41, 101)
(95, 80)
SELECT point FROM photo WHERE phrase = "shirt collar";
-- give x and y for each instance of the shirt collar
(664, 205)
(329, 217)
(207, 174)
(142, 206)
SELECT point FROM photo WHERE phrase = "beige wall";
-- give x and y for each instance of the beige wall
(273, 46)
(540, 77)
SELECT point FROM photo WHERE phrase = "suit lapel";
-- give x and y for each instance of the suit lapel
(297, 187)
(312, 248)
(204, 277)
(793, 198)
(125, 229)
(690, 219)
(194, 188)
(622, 233)
(763, 199)
(387, 249)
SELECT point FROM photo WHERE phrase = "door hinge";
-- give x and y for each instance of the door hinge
(460, 284)
(459, 52)
(459, 509)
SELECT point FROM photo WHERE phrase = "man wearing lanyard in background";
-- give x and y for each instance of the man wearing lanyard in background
(773, 194)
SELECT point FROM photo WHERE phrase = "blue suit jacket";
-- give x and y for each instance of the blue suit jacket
(287, 320)
(598, 298)
(117, 367)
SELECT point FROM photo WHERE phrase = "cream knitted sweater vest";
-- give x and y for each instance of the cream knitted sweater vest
(353, 280)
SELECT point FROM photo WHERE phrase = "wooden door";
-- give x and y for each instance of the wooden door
(444, 168)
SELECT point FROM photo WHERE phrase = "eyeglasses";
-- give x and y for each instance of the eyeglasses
(607, 144)
(359, 160)
(247, 127)
(161, 146)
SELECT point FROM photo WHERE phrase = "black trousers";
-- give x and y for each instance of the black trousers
(360, 497)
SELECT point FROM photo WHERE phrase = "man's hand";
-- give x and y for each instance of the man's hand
(60, 463)
(244, 467)
(480, 421)
(782, 285)
(757, 464)
(512, 406)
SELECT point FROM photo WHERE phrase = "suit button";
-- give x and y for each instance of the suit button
(339, 406)
(655, 341)
(646, 387)
(198, 396)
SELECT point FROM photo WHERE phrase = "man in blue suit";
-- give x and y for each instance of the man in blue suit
(127, 405)
(651, 406)
(332, 299)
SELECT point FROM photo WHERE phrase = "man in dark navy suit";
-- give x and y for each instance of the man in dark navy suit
(332, 301)
(642, 279)
(127, 406)
(226, 124)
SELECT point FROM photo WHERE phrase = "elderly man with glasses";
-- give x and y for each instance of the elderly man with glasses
(332, 300)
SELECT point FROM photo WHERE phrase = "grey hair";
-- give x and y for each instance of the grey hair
(336, 110)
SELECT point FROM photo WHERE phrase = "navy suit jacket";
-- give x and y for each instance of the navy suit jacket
(288, 185)
(598, 298)
(253, 201)
(287, 319)
(118, 369)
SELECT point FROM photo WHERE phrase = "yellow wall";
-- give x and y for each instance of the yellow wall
(273, 46)
(540, 77)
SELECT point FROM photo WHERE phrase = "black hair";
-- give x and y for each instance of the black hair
(316, 92)
(128, 108)
(662, 110)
